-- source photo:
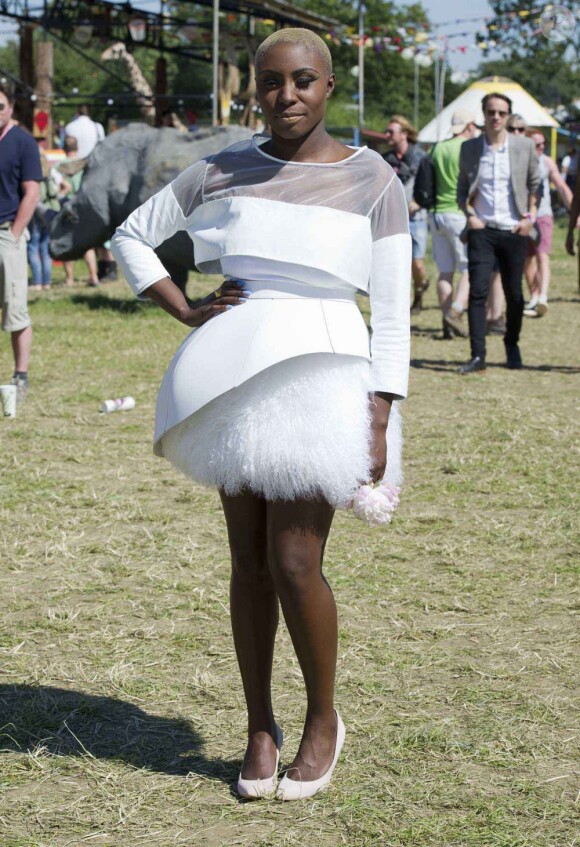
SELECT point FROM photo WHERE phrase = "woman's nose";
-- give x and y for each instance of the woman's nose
(286, 92)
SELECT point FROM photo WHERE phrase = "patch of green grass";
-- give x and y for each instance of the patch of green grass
(121, 717)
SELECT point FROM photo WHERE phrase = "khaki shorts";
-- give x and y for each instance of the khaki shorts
(13, 282)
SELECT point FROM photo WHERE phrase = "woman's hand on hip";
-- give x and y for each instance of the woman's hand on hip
(380, 408)
(228, 295)
(166, 294)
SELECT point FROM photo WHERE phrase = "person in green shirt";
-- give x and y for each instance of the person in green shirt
(447, 221)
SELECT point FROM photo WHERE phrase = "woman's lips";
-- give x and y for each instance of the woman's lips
(289, 118)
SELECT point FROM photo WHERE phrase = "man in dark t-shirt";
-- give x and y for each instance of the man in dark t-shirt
(20, 177)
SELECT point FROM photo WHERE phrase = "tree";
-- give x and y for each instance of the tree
(547, 68)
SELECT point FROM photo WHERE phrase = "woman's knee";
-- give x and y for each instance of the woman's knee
(250, 565)
(295, 566)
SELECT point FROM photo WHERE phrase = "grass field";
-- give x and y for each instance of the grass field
(120, 715)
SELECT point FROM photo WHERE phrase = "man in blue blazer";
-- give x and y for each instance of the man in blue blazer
(499, 179)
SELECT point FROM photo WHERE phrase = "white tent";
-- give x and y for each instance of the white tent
(523, 104)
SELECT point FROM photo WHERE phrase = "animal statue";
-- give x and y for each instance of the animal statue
(123, 171)
(137, 80)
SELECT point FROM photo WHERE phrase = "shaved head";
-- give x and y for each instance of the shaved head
(304, 37)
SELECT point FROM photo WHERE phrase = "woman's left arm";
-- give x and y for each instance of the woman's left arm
(389, 291)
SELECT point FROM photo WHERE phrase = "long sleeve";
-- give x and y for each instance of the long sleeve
(134, 242)
(389, 291)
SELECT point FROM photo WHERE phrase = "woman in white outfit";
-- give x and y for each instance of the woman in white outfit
(276, 398)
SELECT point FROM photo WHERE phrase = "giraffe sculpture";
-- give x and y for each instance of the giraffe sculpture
(143, 91)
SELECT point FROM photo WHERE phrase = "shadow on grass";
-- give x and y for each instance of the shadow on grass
(446, 366)
(71, 723)
(433, 332)
(130, 306)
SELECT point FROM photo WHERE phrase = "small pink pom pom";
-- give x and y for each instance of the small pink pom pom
(376, 505)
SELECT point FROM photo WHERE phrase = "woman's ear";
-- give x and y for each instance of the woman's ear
(330, 85)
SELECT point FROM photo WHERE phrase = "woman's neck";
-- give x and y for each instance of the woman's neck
(316, 147)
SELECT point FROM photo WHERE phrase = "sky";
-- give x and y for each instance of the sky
(442, 11)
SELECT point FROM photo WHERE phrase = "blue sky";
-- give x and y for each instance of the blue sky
(441, 11)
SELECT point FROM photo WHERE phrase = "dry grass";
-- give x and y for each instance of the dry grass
(120, 710)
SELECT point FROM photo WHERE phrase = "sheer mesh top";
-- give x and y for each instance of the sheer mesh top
(360, 185)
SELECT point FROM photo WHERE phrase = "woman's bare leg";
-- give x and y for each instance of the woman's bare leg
(297, 533)
(254, 616)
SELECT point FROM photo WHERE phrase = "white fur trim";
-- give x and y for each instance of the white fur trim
(296, 430)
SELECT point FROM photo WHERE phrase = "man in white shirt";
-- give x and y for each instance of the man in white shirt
(87, 132)
(498, 182)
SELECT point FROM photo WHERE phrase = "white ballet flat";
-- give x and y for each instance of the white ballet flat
(292, 789)
(255, 789)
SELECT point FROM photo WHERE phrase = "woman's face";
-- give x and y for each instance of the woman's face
(293, 87)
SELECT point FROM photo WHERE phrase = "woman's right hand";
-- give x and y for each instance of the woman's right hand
(166, 294)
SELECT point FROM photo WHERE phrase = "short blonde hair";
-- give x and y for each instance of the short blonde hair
(296, 35)
(517, 120)
(406, 126)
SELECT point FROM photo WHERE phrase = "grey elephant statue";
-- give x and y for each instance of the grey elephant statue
(123, 171)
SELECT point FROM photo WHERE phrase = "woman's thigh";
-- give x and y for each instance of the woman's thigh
(245, 516)
(296, 535)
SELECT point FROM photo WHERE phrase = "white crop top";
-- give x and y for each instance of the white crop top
(254, 217)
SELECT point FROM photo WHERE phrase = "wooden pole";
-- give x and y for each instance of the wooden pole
(161, 101)
(554, 143)
(416, 95)
(216, 62)
(43, 126)
(23, 101)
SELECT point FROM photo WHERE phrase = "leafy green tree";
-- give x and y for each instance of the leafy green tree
(547, 68)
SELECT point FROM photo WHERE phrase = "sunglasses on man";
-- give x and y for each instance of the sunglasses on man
(491, 112)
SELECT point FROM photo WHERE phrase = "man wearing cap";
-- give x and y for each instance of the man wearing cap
(447, 222)
(499, 178)
(20, 178)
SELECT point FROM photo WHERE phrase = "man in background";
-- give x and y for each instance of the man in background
(86, 131)
(499, 178)
(20, 178)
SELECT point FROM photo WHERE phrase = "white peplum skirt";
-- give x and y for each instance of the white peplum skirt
(271, 397)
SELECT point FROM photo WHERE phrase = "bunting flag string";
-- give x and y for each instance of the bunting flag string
(422, 39)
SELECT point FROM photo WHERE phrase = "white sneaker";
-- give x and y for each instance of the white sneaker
(293, 789)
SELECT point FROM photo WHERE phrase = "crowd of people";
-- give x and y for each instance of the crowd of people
(491, 220)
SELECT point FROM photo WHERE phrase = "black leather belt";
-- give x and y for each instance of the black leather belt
(6, 225)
